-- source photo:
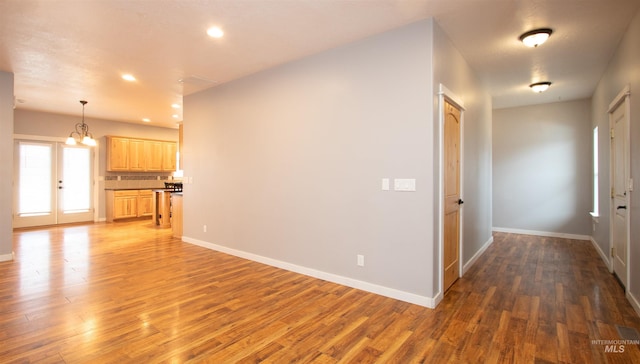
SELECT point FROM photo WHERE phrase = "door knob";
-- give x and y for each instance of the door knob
(460, 202)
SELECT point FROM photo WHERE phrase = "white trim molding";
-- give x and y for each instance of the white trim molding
(7, 257)
(542, 233)
(345, 281)
(601, 253)
(621, 100)
(477, 255)
(622, 95)
(634, 302)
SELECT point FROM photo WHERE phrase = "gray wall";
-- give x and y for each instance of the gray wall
(287, 164)
(623, 70)
(28, 122)
(542, 168)
(6, 165)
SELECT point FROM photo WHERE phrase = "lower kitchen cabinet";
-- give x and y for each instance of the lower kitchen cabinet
(145, 203)
(176, 215)
(124, 204)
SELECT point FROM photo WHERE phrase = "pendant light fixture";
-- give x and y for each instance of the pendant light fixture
(540, 86)
(535, 37)
(81, 134)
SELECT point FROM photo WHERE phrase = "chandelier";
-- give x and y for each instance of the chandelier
(81, 134)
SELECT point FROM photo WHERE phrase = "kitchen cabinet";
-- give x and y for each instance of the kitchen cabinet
(126, 204)
(118, 154)
(169, 156)
(162, 208)
(140, 155)
(137, 155)
(145, 203)
(176, 215)
(153, 150)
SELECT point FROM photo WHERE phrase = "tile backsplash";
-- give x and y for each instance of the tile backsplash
(136, 181)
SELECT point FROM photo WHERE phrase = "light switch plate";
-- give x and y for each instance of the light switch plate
(385, 184)
(404, 184)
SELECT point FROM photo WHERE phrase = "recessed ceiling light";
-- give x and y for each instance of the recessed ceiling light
(146, 120)
(175, 106)
(128, 77)
(540, 86)
(215, 32)
(535, 37)
(175, 116)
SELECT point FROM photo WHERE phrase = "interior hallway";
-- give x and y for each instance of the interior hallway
(129, 292)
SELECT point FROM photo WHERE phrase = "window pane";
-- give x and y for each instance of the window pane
(76, 180)
(35, 179)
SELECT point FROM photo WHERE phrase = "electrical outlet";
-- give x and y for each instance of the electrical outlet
(204, 228)
(360, 260)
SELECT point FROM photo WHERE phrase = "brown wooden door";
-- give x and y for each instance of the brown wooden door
(451, 194)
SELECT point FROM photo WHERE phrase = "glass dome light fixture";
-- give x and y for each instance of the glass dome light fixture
(535, 37)
(81, 133)
(540, 87)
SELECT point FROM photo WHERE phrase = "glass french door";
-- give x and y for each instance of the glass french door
(53, 183)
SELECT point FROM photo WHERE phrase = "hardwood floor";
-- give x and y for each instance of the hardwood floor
(130, 293)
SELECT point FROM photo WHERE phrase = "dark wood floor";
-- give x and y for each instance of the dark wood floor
(130, 293)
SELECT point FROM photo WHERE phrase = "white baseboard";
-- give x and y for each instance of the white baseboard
(602, 254)
(437, 299)
(345, 281)
(477, 255)
(6, 257)
(634, 302)
(542, 233)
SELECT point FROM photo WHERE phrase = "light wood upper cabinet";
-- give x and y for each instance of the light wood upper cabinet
(153, 151)
(118, 154)
(137, 155)
(169, 156)
(140, 155)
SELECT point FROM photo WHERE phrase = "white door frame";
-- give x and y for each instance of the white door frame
(622, 97)
(445, 94)
(96, 164)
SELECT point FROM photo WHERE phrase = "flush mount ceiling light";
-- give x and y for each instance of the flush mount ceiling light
(128, 77)
(215, 32)
(81, 134)
(535, 37)
(540, 86)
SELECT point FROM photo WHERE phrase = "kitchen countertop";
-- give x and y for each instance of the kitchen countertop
(139, 188)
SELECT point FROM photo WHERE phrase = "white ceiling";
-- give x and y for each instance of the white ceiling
(62, 51)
